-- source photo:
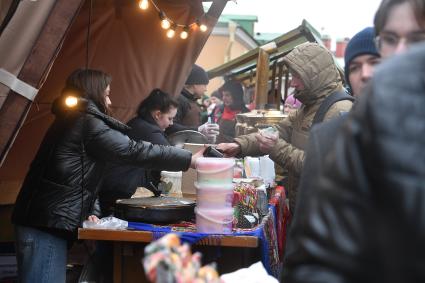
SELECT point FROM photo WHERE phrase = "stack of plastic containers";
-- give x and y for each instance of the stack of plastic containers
(214, 195)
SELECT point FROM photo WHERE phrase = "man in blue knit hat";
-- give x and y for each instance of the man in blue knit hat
(360, 58)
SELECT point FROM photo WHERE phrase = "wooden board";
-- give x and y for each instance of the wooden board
(146, 237)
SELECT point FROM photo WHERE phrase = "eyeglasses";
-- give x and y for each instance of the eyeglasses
(391, 41)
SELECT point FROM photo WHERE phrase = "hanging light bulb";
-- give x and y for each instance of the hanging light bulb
(171, 32)
(143, 4)
(203, 27)
(185, 33)
(165, 23)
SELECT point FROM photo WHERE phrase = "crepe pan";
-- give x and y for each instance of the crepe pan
(161, 209)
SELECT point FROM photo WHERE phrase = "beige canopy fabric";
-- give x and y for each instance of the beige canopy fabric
(124, 41)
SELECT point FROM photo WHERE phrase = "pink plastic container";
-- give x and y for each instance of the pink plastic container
(214, 221)
(213, 196)
(215, 170)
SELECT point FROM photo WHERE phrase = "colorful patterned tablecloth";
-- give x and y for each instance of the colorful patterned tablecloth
(271, 232)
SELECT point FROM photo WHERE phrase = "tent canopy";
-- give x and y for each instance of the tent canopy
(46, 40)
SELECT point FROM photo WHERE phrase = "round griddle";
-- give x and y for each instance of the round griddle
(155, 209)
(187, 136)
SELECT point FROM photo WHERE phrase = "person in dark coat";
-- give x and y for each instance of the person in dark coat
(189, 111)
(225, 114)
(61, 186)
(188, 115)
(362, 221)
(154, 115)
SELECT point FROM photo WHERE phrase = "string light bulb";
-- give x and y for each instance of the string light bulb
(165, 24)
(143, 4)
(171, 32)
(203, 27)
(185, 33)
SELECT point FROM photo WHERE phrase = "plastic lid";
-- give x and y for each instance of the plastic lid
(214, 162)
(218, 186)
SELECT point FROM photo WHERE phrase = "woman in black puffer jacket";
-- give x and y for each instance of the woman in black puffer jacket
(61, 186)
(155, 114)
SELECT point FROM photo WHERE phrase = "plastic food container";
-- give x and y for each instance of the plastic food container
(212, 196)
(214, 170)
(175, 178)
(214, 221)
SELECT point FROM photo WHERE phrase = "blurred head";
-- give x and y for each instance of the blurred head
(197, 81)
(291, 104)
(90, 84)
(159, 105)
(399, 24)
(232, 92)
(360, 58)
(216, 97)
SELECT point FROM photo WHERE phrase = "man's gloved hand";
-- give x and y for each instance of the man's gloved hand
(209, 129)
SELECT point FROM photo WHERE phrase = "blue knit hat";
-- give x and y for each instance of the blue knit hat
(362, 43)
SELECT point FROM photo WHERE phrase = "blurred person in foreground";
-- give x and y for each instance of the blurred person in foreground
(399, 24)
(362, 222)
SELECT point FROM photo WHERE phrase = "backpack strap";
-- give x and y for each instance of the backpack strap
(328, 102)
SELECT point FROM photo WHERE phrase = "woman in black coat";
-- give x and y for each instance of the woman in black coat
(155, 114)
(60, 188)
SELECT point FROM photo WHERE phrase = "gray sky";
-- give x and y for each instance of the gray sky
(338, 18)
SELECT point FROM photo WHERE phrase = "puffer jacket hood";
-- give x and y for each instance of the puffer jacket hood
(317, 70)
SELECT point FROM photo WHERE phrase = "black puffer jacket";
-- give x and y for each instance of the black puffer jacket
(363, 221)
(121, 181)
(76, 148)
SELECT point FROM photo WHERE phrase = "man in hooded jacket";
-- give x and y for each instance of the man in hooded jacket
(314, 77)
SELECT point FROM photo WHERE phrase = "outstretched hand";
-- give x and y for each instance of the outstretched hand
(195, 156)
(266, 143)
(229, 149)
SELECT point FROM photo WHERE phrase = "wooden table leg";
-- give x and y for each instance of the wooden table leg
(117, 262)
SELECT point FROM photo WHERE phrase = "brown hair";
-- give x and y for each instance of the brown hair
(90, 84)
(381, 15)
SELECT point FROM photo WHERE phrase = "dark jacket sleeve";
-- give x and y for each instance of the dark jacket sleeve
(328, 240)
(113, 146)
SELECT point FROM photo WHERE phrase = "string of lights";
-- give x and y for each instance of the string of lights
(169, 25)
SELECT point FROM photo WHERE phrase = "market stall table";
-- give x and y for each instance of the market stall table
(230, 252)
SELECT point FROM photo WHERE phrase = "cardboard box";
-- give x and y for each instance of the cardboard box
(189, 177)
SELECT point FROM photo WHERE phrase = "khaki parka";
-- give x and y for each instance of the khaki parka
(315, 66)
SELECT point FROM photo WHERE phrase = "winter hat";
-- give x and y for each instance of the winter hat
(197, 76)
(293, 102)
(362, 43)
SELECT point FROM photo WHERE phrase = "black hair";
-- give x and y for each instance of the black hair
(236, 91)
(157, 100)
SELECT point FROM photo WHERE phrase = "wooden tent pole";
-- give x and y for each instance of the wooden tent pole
(262, 76)
(35, 69)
